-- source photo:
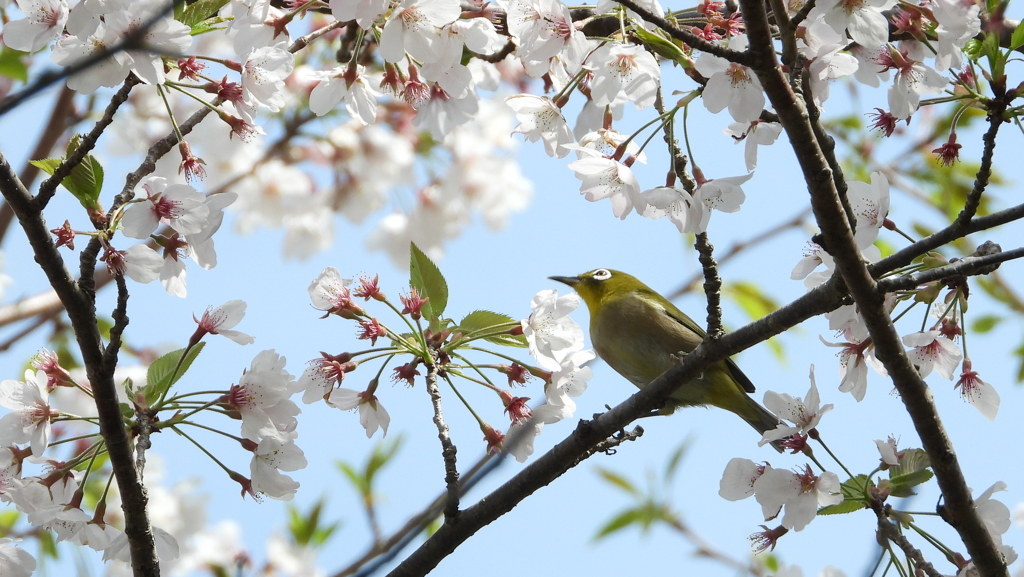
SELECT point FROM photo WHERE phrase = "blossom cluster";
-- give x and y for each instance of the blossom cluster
(57, 498)
(554, 340)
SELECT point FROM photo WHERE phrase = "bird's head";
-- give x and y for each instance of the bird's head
(600, 284)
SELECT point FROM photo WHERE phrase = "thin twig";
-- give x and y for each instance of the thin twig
(712, 284)
(448, 449)
(686, 36)
(49, 186)
(888, 531)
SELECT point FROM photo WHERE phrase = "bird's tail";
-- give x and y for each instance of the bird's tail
(762, 420)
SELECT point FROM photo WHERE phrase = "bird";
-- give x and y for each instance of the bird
(641, 334)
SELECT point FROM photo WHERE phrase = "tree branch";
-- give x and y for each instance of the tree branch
(448, 449)
(82, 313)
(889, 349)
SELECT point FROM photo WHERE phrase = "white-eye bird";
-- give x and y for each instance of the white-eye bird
(641, 334)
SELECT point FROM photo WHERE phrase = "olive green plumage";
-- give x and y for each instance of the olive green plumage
(641, 334)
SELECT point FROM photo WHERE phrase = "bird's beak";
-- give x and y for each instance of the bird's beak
(569, 280)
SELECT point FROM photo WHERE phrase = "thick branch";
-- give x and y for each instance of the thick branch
(889, 349)
(588, 434)
(100, 370)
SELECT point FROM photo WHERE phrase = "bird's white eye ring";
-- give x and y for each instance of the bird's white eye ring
(601, 274)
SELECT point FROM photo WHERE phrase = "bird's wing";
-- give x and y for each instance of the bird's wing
(681, 318)
(739, 376)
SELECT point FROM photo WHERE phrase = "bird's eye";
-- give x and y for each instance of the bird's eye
(601, 274)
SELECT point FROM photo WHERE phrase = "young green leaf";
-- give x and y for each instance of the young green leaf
(427, 279)
(161, 374)
(855, 490)
(84, 182)
(912, 471)
(1017, 39)
(200, 11)
(11, 64)
(487, 321)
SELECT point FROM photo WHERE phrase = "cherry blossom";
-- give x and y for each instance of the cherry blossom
(15, 561)
(739, 478)
(571, 378)
(253, 25)
(372, 415)
(541, 119)
(887, 450)
(996, 517)
(977, 392)
(755, 133)
(263, 75)
(354, 88)
(958, 22)
(933, 351)
(329, 292)
(43, 23)
(261, 398)
(218, 321)
(625, 71)
(912, 79)
(604, 177)
(675, 203)
(821, 45)
(321, 375)
(178, 205)
(870, 204)
(165, 36)
(476, 34)
(800, 493)
(71, 49)
(521, 436)
(543, 29)
(364, 12)
(853, 365)
(723, 194)
(552, 335)
(29, 419)
(272, 456)
(413, 28)
(862, 19)
(731, 85)
(805, 413)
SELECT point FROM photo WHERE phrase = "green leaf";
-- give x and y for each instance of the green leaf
(12, 65)
(985, 323)
(911, 460)
(855, 492)
(617, 480)
(662, 46)
(201, 11)
(306, 529)
(1017, 39)
(676, 458)
(161, 375)
(208, 25)
(381, 455)
(85, 180)
(749, 296)
(618, 522)
(902, 485)
(486, 321)
(427, 279)
(354, 477)
(1019, 353)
